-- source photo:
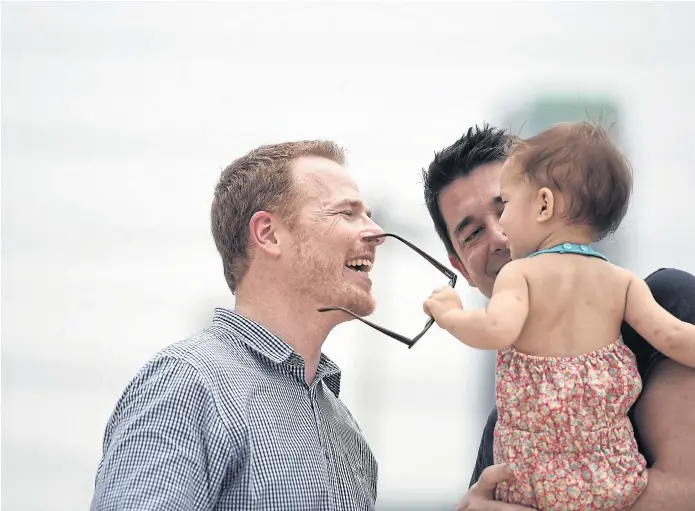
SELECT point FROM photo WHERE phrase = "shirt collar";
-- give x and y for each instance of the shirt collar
(270, 346)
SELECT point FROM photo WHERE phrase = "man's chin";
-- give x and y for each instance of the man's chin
(363, 310)
(362, 306)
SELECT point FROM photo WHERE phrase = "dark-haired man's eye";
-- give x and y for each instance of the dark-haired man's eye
(473, 234)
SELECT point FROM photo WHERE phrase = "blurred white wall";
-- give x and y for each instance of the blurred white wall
(117, 118)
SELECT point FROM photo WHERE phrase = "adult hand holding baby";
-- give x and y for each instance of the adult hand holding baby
(481, 496)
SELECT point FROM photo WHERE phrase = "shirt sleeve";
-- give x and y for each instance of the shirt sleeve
(165, 447)
(485, 452)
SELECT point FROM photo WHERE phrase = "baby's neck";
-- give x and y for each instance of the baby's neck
(579, 235)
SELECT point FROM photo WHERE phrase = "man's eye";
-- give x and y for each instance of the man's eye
(473, 234)
(346, 213)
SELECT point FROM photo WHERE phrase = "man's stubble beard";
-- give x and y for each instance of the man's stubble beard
(320, 278)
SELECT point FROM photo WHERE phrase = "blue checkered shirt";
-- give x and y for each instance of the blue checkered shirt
(225, 421)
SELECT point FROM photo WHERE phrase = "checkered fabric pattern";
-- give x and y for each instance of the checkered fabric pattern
(225, 421)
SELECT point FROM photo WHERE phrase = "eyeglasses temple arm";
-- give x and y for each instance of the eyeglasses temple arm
(381, 329)
(446, 271)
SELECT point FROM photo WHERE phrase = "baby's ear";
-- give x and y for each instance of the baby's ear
(545, 203)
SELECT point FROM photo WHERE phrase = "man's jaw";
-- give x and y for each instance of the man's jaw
(359, 298)
(496, 266)
(352, 295)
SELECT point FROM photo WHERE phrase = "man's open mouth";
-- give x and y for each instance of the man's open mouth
(361, 265)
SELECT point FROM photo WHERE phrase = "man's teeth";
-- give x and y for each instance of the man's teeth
(360, 264)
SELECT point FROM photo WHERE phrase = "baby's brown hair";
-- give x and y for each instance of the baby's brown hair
(579, 160)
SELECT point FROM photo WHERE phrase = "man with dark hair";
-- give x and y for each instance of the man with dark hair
(462, 188)
(462, 183)
(245, 414)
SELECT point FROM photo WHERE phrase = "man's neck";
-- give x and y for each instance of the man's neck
(300, 326)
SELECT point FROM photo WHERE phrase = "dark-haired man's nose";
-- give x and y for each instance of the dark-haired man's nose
(498, 241)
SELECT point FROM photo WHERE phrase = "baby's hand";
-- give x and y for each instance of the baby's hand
(441, 301)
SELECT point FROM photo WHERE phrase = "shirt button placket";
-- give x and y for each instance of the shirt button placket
(325, 444)
(317, 416)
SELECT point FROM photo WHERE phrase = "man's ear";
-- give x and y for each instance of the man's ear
(263, 233)
(458, 265)
(545, 203)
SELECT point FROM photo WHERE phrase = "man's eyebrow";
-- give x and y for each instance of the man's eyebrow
(355, 204)
(467, 220)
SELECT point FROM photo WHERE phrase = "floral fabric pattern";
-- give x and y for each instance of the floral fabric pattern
(563, 429)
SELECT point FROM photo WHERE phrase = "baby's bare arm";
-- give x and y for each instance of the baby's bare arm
(671, 336)
(499, 325)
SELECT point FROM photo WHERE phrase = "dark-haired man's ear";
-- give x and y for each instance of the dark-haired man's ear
(458, 265)
(546, 204)
(263, 233)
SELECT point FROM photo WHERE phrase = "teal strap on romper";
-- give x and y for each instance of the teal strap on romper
(571, 248)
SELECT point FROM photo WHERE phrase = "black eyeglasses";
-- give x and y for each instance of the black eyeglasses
(401, 338)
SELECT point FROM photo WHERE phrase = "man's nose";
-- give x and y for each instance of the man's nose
(498, 241)
(373, 230)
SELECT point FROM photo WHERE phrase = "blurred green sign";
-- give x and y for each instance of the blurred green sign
(543, 112)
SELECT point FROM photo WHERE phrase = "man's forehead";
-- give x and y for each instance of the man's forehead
(329, 183)
(481, 187)
(471, 197)
(323, 174)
